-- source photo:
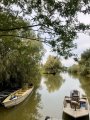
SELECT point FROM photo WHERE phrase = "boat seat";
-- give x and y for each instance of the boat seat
(82, 100)
(18, 94)
(75, 103)
(23, 90)
(68, 100)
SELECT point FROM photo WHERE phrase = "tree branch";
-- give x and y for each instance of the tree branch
(36, 39)
(17, 28)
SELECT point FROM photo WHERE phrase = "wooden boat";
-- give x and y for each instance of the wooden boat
(76, 106)
(17, 97)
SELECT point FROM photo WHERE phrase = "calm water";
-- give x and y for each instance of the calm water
(47, 100)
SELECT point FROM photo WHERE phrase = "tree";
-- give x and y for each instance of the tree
(19, 60)
(53, 65)
(74, 69)
(57, 19)
(84, 63)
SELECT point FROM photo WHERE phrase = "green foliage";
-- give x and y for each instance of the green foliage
(85, 55)
(84, 63)
(83, 67)
(74, 69)
(58, 19)
(19, 60)
(53, 65)
(20, 50)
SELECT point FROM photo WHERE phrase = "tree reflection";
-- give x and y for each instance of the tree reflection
(53, 82)
(73, 75)
(85, 84)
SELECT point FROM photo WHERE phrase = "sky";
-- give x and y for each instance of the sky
(83, 43)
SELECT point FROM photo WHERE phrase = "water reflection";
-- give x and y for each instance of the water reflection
(28, 110)
(47, 98)
(53, 82)
(85, 84)
(73, 75)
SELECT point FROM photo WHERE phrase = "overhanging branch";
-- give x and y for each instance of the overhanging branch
(24, 37)
(18, 28)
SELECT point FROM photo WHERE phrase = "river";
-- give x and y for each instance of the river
(47, 100)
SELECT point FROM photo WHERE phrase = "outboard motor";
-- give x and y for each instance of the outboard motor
(75, 95)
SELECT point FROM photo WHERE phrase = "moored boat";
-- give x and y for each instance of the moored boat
(76, 106)
(17, 97)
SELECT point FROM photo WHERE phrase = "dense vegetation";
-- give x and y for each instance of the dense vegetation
(54, 18)
(19, 61)
(83, 66)
(20, 49)
(52, 65)
(84, 63)
(74, 69)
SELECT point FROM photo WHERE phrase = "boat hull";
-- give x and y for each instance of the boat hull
(14, 102)
(77, 113)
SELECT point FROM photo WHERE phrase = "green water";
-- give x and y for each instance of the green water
(47, 100)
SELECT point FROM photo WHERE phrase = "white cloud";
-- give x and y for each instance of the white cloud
(84, 18)
(83, 43)
(68, 62)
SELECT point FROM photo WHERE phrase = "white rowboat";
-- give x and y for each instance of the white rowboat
(17, 97)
